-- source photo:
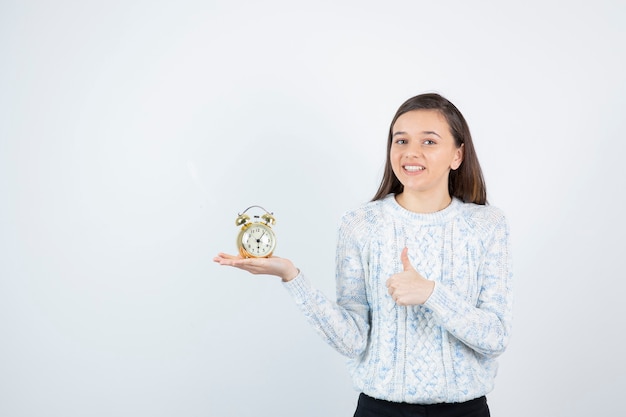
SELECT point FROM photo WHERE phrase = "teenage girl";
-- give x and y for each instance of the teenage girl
(424, 282)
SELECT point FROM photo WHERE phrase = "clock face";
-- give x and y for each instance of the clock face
(258, 240)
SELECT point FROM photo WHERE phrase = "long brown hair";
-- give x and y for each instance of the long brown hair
(466, 182)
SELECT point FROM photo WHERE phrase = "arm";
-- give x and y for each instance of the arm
(486, 325)
(344, 324)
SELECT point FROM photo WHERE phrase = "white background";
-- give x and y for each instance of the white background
(133, 132)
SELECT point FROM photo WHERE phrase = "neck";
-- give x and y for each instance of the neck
(420, 203)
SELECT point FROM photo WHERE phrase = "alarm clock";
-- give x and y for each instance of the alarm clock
(256, 238)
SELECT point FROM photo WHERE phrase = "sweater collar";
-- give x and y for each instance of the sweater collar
(437, 217)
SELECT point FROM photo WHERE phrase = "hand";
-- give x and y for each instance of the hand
(409, 287)
(274, 265)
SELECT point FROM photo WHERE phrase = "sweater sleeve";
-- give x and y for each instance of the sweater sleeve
(343, 324)
(486, 325)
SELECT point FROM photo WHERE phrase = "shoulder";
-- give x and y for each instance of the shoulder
(481, 213)
(365, 215)
(483, 218)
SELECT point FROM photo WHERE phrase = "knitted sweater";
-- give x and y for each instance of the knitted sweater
(442, 351)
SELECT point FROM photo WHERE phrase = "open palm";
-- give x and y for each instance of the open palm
(280, 267)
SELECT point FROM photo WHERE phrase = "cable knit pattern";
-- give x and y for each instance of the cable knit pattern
(442, 351)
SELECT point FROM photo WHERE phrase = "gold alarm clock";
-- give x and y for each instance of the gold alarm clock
(256, 238)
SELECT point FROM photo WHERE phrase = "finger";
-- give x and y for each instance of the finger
(227, 256)
(231, 261)
(226, 259)
(406, 264)
(396, 299)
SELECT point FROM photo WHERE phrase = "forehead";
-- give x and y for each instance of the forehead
(421, 120)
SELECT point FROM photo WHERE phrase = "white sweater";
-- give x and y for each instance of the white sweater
(442, 351)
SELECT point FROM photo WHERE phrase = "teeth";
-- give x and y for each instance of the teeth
(413, 168)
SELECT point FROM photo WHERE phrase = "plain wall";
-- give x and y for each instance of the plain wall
(133, 132)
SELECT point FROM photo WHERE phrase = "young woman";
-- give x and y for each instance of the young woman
(424, 283)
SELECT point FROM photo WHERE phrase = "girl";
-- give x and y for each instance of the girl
(424, 283)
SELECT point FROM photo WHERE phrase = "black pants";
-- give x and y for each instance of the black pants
(371, 407)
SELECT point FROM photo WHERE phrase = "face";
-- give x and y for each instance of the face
(423, 151)
(258, 240)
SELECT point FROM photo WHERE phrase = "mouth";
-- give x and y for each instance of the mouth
(413, 168)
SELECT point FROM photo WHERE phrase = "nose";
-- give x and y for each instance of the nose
(413, 150)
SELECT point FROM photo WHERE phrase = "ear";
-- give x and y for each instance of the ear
(458, 157)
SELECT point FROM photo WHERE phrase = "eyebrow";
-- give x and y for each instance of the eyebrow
(425, 132)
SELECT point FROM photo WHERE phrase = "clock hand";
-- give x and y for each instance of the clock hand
(260, 237)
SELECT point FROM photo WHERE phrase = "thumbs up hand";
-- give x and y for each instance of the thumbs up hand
(409, 287)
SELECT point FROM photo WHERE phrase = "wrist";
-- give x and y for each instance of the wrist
(429, 291)
(290, 274)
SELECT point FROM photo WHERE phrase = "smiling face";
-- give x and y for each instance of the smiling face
(423, 152)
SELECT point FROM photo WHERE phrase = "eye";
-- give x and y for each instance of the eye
(401, 142)
(429, 142)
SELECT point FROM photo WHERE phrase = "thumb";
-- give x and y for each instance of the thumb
(406, 264)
